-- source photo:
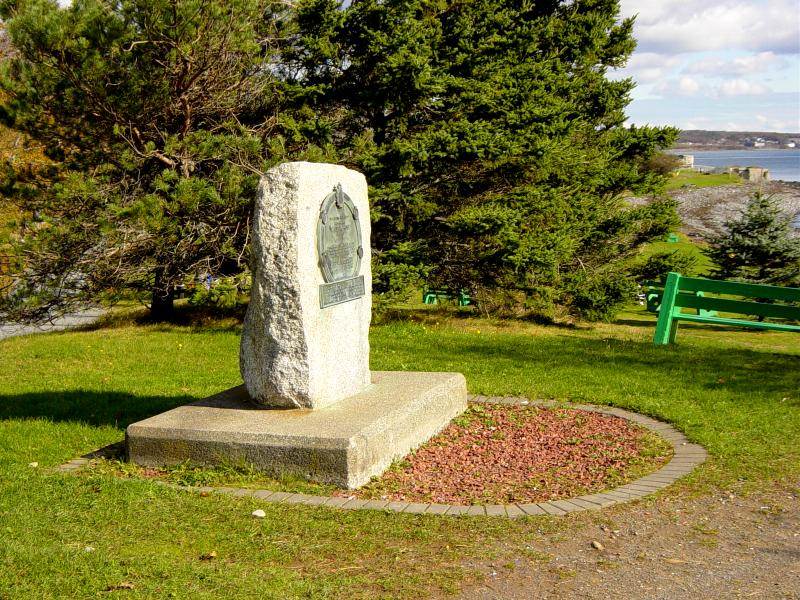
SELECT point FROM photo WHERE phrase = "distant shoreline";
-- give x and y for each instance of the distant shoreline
(704, 140)
(713, 148)
(783, 163)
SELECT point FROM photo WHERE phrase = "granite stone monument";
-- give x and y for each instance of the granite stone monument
(305, 341)
(309, 405)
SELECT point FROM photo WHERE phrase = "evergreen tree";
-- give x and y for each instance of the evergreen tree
(758, 247)
(157, 113)
(492, 139)
(490, 133)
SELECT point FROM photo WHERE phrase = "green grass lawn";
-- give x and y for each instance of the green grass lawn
(65, 394)
(685, 245)
(687, 177)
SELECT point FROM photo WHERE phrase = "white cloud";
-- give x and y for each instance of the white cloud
(775, 111)
(675, 26)
(743, 65)
(770, 124)
(689, 86)
(761, 123)
(647, 67)
(685, 86)
(741, 87)
(651, 60)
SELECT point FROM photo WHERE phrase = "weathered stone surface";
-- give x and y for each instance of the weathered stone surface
(294, 353)
(345, 443)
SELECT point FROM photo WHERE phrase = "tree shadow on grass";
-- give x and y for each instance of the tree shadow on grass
(631, 322)
(117, 409)
(184, 315)
(435, 313)
(610, 363)
(625, 363)
(684, 326)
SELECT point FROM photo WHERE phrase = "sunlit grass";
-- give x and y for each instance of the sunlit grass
(696, 179)
(65, 394)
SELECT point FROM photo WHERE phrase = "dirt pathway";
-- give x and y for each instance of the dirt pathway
(712, 547)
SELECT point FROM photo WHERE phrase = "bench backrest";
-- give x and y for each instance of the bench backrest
(689, 286)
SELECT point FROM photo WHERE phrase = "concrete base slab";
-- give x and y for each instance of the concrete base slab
(344, 444)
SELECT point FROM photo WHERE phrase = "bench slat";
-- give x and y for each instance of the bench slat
(738, 322)
(742, 307)
(750, 290)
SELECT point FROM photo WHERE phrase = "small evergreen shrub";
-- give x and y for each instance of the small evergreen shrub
(656, 267)
(758, 247)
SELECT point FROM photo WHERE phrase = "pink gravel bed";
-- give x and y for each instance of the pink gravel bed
(507, 454)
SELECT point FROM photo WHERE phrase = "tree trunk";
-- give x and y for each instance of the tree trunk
(162, 304)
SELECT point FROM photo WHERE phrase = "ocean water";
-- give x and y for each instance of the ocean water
(783, 165)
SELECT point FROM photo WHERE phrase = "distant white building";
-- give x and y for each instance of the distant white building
(687, 161)
(755, 143)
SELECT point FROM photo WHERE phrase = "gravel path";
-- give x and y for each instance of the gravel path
(670, 549)
(70, 321)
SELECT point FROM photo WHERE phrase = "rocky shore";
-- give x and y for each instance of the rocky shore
(705, 210)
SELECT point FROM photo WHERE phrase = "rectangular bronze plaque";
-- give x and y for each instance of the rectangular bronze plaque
(341, 291)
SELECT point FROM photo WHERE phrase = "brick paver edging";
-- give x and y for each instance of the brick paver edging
(685, 458)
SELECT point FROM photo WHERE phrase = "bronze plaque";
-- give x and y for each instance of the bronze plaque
(341, 291)
(339, 249)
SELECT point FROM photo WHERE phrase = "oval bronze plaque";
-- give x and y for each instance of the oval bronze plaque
(339, 237)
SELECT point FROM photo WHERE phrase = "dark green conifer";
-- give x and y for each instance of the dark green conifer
(493, 140)
(490, 132)
(758, 247)
(155, 112)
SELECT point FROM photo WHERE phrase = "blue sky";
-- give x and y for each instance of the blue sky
(721, 64)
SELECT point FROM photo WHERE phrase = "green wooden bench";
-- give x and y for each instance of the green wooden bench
(682, 292)
(653, 291)
(430, 296)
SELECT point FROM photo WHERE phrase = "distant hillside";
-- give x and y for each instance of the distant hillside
(735, 140)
